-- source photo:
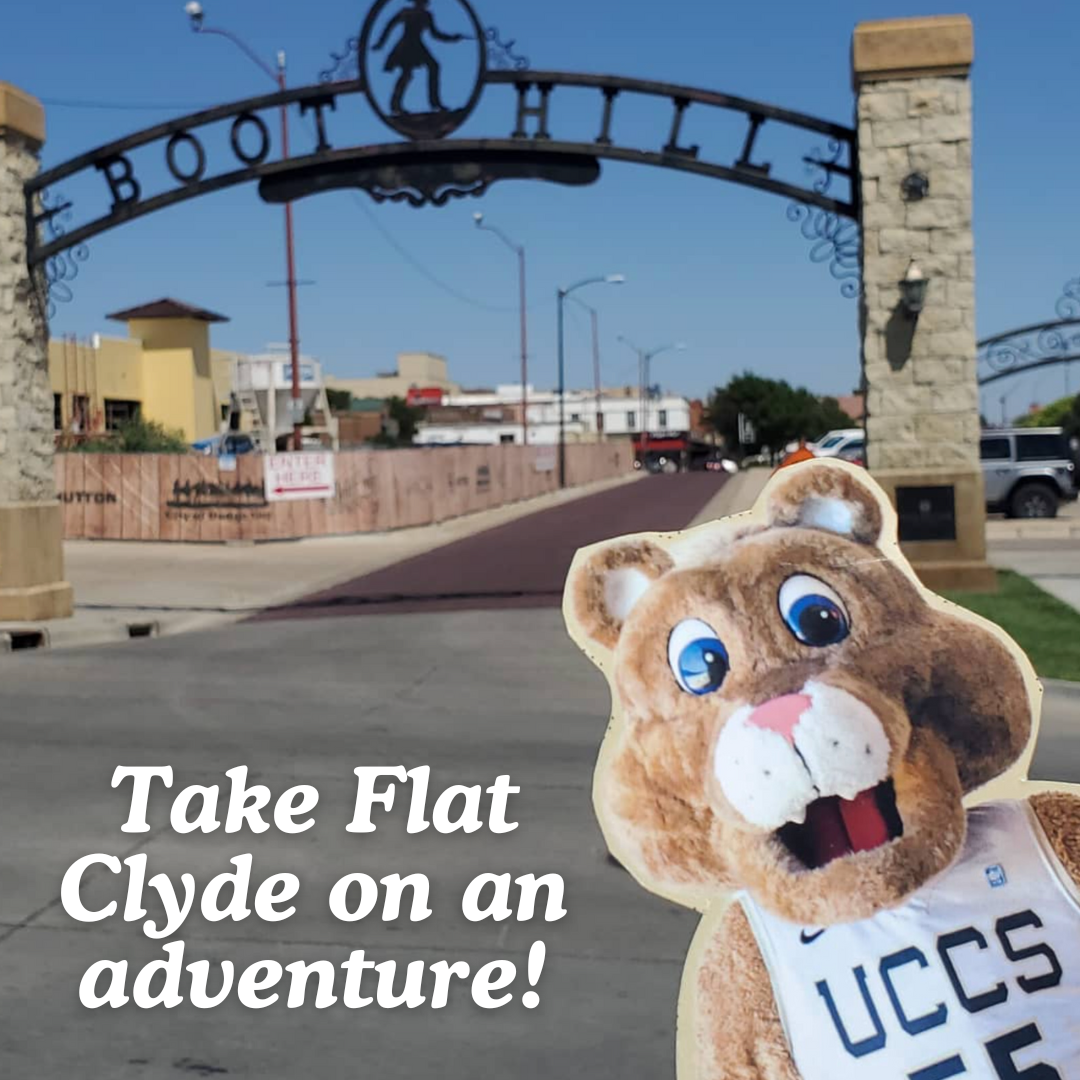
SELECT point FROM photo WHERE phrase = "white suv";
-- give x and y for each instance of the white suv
(1028, 472)
(849, 440)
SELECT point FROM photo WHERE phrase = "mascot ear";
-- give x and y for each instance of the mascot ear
(832, 496)
(606, 581)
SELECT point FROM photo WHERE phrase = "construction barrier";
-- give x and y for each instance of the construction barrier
(192, 498)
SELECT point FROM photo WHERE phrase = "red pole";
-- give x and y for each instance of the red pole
(290, 271)
(524, 351)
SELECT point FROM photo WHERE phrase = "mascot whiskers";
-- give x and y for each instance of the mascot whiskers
(829, 761)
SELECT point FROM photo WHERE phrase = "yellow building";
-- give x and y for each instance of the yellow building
(415, 371)
(164, 370)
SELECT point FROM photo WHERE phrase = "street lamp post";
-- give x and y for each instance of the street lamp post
(594, 318)
(518, 250)
(645, 359)
(561, 295)
(640, 354)
(194, 11)
(648, 358)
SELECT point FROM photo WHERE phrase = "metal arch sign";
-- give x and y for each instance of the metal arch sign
(1039, 345)
(182, 159)
(410, 54)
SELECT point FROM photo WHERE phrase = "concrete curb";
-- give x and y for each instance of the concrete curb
(1032, 530)
(738, 495)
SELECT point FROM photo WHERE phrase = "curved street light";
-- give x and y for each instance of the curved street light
(594, 318)
(561, 295)
(645, 359)
(518, 250)
(196, 15)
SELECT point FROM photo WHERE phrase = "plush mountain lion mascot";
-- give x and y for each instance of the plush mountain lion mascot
(828, 762)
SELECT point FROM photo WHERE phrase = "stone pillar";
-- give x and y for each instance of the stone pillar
(32, 585)
(922, 399)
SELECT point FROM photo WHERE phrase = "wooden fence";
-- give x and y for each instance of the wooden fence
(187, 497)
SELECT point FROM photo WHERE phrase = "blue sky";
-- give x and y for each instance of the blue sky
(711, 264)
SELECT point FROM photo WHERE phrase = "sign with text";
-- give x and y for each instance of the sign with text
(299, 476)
(546, 459)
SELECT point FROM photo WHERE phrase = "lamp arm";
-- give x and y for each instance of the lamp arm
(581, 284)
(244, 48)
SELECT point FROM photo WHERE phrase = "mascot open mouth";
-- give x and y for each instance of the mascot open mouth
(835, 827)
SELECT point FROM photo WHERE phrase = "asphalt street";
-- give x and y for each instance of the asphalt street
(473, 694)
(520, 564)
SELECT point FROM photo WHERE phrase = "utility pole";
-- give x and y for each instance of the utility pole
(290, 277)
(194, 11)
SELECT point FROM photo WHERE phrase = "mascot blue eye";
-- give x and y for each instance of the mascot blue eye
(697, 657)
(813, 612)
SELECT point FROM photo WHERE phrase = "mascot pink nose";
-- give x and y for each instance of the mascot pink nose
(781, 714)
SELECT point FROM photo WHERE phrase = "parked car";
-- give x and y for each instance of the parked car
(854, 451)
(721, 465)
(231, 444)
(848, 446)
(1028, 472)
(833, 441)
(757, 460)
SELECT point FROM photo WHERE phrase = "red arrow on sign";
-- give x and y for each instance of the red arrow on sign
(282, 490)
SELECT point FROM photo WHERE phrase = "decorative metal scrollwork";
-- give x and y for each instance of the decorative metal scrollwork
(501, 55)
(827, 163)
(61, 269)
(344, 66)
(422, 195)
(1038, 345)
(834, 240)
(1068, 304)
(1043, 344)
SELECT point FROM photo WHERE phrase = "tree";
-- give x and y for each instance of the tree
(405, 418)
(778, 412)
(1065, 413)
(339, 400)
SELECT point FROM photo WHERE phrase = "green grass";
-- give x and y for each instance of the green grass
(1046, 628)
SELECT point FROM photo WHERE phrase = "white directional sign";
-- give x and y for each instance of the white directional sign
(299, 476)
(545, 459)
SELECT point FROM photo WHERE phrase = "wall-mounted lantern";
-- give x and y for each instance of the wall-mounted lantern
(913, 290)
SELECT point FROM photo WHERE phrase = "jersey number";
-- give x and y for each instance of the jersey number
(1001, 1052)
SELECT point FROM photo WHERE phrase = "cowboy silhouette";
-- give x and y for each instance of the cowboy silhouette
(411, 53)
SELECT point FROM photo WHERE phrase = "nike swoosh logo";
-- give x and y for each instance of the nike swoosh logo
(807, 938)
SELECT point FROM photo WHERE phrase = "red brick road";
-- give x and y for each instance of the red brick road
(520, 564)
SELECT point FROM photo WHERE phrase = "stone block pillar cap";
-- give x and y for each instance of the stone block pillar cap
(21, 113)
(911, 48)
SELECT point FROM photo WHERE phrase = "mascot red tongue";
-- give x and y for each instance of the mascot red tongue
(763, 669)
(842, 826)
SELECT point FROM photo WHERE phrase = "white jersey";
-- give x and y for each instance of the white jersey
(975, 976)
